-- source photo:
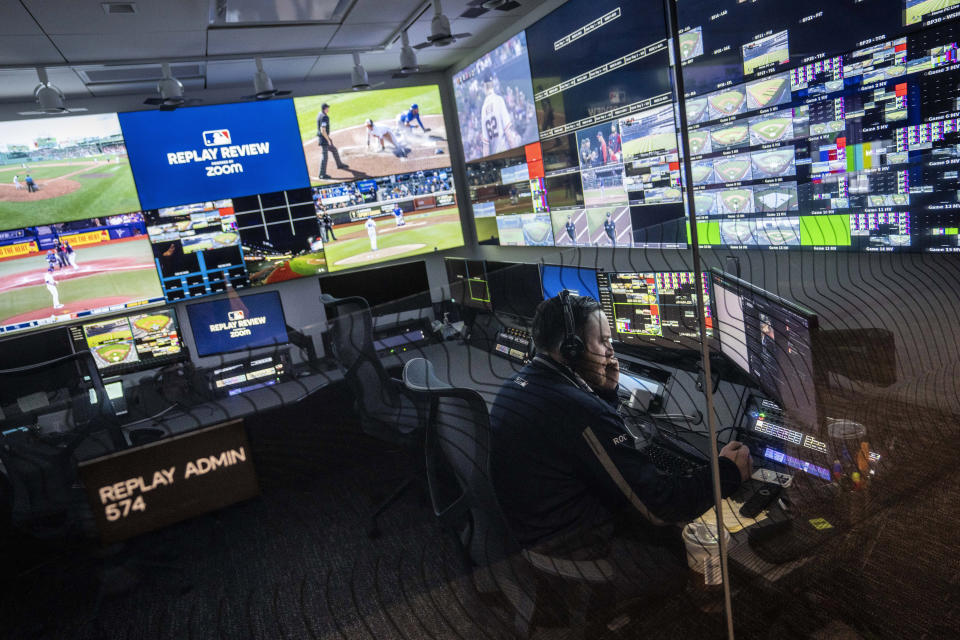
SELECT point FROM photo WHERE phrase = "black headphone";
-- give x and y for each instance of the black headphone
(572, 346)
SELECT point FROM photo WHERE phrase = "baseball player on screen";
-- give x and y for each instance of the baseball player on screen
(52, 288)
(614, 145)
(571, 229)
(398, 215)
(371, 232)
(381, 133)
(610, 226)
(497, 130)
(411, 118)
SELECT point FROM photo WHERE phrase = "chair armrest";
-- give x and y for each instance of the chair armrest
(582, 570)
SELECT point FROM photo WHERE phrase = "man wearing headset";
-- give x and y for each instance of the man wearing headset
(565, 472)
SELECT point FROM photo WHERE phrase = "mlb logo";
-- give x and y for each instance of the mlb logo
(216, 138)
(235, 315)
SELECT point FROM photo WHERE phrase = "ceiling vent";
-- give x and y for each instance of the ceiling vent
(118, 8)
(138, 73)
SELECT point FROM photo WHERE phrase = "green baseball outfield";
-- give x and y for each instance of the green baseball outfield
(647, 144)
(916, 11)
(68, 189)
(107, 274)
(424, 232)
(348, 115)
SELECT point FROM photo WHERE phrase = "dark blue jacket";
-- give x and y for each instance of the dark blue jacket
(562, 462)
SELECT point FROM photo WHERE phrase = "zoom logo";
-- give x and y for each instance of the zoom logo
(216, 137)
(235, 315)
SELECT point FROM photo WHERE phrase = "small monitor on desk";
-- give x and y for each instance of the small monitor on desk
(514, 288)
(771, 339)
(132, 342)
(654, 308)
(237, 323)
(578, 280)
(468, 283)
(389, 289)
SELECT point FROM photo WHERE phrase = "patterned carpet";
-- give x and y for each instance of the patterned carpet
(296, 563)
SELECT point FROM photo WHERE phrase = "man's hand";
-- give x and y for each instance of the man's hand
(739, 453)
(598, 371)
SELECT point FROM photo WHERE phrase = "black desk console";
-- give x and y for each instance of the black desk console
(402, 337)
(514, 344)
(250, 373)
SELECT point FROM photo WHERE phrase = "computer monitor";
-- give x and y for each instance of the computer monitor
(32, 349)
(579, 280)
(390, 289)
(771, 339)
(237, 323)
(515, 288)
(131, 342)
(654, 308)
(468, 283)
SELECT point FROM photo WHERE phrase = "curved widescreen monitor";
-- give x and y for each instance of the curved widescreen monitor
(63, 169)
(237, 323)
(494, 97)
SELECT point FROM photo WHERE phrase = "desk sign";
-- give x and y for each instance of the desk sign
(145, 488)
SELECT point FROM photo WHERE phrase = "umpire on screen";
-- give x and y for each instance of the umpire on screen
(326, 142)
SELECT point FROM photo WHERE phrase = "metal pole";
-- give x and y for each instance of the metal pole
(672, 24)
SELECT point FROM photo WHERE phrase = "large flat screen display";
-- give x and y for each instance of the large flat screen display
(208, 153)
(824, 125)
(236, 323)
(63, 272)
(368, 134)
(386, 218)
(63, 169)
(494, 97)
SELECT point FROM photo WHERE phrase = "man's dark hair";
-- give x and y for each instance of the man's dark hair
(548, 327)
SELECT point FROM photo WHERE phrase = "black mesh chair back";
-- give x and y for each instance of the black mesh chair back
(377, 397)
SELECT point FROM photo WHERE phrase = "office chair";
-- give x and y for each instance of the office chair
(38, 453)
(387, 410)
(458, 433)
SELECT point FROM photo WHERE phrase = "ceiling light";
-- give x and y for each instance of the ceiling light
(169, 88)
(262, 84)
(408, 57)
(49, 97)
(358, 77)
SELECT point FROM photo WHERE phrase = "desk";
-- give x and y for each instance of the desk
(463, 366)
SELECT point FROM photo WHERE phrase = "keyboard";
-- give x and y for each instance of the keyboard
(667, 461)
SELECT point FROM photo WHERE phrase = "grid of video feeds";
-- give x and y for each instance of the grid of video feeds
(852, 145)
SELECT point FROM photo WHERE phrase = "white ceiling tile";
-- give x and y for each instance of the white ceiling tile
(28, 50)
(254, 40)
(365, 35)
(16, 21)
(377, 12)
(131, 46)
(283, 71)
(87, 17)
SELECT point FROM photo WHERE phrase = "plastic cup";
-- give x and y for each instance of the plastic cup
(703, 552)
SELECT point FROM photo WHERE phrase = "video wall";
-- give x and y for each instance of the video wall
(593, 79)
(102, 213)
(815, 126)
